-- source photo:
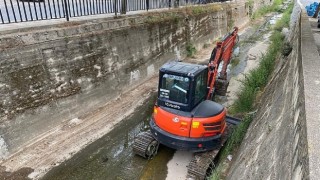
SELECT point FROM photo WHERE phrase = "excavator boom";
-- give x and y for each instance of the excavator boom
(221, 53)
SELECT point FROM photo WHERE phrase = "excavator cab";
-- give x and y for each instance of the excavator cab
(183, 119)
(182, 86)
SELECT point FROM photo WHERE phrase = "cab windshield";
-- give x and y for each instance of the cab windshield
(174, 88)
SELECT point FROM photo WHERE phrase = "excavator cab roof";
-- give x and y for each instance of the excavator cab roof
(182, 69)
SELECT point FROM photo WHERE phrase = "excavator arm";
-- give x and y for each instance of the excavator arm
(221, 53)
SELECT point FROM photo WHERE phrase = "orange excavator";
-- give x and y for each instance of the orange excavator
(185, 117)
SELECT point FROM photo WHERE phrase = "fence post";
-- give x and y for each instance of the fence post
(115, 7)
(147, 4)
(66, 10)
(123, 6)
(176, 3)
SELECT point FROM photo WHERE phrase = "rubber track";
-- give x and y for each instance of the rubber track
(202, 163)
(141, 144)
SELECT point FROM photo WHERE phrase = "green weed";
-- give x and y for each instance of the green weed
(285, 20)
(198, 10)
(156, 18)
(191, 50)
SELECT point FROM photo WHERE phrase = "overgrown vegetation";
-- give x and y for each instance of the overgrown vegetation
(156, 18)
(285, 20)
(258, 78)
(177, 15)
(191, 50)
(198, 10)
(275, 7)
(249, 3)
(254, 83)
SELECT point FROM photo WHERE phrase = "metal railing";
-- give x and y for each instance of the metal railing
(14, 11)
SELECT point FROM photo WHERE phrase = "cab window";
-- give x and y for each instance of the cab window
(201, 87)
(174, 88)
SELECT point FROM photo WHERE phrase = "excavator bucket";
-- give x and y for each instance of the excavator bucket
(221, 87)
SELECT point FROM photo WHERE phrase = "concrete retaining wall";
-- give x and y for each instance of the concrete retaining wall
(283, 140)
(56, 73)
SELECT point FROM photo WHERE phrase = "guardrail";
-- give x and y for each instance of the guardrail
(14, 11)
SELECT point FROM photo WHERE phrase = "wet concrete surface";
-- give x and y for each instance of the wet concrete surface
(111, 157)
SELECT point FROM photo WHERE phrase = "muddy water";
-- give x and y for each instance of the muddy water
(111, 156)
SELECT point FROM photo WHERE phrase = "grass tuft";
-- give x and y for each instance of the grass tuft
(285, 20)
(156, 18)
